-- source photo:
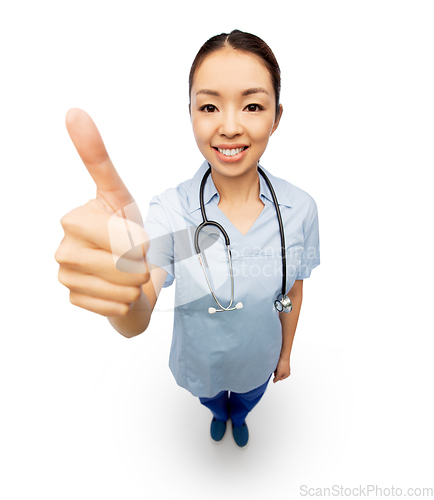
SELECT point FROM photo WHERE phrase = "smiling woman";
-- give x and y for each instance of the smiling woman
(225, 359)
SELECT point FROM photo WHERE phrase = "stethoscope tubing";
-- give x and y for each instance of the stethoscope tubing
(207, 222)
(282, 233)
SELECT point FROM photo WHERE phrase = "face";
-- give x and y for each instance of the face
(233, 110)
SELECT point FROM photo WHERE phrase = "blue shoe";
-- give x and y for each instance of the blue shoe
(241, 435)
(218, 429)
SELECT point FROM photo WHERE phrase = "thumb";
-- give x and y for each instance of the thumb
(88, 142)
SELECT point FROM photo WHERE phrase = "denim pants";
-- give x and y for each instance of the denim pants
(234, 405)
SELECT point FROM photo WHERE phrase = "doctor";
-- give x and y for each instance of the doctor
(225, 359)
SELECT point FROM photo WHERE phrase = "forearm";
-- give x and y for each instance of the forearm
(289, 320)
(136, 321)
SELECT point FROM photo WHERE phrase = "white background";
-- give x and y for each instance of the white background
(86, 413)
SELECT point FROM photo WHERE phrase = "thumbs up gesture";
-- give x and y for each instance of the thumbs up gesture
(102, 256)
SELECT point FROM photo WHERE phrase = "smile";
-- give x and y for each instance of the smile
(230, 155)
(231, 152)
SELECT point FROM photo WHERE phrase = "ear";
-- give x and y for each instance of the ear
(189, 109)
(277, 121)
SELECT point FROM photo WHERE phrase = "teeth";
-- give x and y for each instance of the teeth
(231, 152)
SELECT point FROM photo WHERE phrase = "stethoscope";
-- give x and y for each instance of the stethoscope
(283, 302)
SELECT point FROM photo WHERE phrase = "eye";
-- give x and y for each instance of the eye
(254, 107)
(208, 108)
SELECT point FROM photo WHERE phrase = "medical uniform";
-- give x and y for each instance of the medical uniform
(235, 350)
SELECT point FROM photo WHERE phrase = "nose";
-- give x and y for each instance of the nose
(230, 125)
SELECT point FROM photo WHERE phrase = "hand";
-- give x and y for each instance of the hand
(282, 371)
(100, 232)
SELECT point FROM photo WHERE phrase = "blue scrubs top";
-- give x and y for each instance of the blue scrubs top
(230, 350)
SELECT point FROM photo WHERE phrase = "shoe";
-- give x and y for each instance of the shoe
(218, 429)
(241, 435)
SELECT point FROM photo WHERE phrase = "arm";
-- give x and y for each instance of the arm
(139, 317)
(289, 324)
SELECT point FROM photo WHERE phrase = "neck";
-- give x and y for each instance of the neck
(237, 190)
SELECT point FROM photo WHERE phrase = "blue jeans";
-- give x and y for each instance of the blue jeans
(234, 405)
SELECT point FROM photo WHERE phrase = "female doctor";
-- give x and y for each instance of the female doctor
(233, 326)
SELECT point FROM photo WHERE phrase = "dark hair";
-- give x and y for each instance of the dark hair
(245, 42)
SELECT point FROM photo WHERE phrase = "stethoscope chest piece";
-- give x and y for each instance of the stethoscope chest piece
(283, 303)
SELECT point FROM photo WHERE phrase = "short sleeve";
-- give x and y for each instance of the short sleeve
(161, 249)
(311, 255)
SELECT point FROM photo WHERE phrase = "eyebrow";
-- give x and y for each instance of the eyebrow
(255, 90)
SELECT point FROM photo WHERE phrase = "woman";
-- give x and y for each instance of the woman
(228, 336)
